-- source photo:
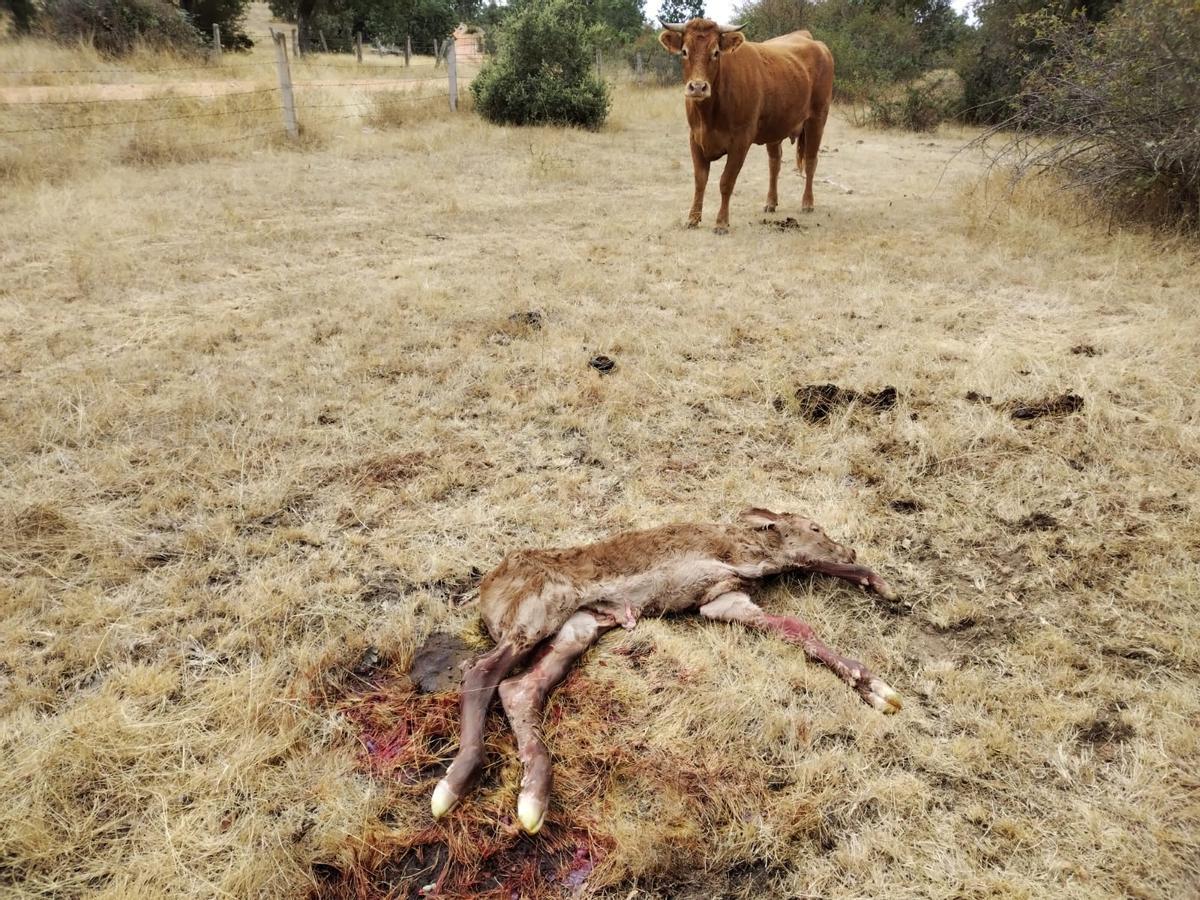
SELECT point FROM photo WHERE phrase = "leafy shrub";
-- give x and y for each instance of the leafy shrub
(116, 27)
(920, 105)
(1114, 110)
(995, 57)
(542, 73)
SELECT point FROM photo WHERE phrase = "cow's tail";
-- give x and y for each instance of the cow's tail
(798, 140)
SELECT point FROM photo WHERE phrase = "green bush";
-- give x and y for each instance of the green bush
(1113, 110)
(995, 57)
(920, 105)
(116, 27)
(542, 74)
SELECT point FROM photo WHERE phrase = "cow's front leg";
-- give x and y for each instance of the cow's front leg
(700, 167)
(524, 698)
(733, 165)
(737, 607)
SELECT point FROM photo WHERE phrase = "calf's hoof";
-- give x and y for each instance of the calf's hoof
(443, 799)
(531, 811)
(693, 223)
(770, 207)
(806, 209)
(721, 229)
(880, 695)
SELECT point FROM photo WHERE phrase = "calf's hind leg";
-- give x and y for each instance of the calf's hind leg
(524, 697)
(737, 607)
(479, 686)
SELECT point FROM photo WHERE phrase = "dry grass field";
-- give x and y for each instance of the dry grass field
(266, 417)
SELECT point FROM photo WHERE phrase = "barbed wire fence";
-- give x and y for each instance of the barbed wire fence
(302, 96)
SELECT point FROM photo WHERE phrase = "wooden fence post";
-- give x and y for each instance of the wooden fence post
(452, 69)
(599, 70)
(296, 40)
(285, 85)
(216, 42)
(638, 66)
(358, 46)
(324, 46)
(407, 49)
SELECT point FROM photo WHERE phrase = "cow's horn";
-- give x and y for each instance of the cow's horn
(673, 26)
(725, 29)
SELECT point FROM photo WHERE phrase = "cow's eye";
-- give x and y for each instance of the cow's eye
(815, 527)
(684, 52)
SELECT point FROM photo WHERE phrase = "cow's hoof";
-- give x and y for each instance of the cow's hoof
(721, 229)
(769, 208)
(693, 223)
(806, 209)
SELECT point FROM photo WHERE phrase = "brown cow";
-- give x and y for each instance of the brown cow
(565, 599)
(740, 93)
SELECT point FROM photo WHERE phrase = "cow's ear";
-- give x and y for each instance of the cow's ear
(759, 518)
(672, 41)
(731, 41)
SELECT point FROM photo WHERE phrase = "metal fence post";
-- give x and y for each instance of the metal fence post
(452, 69)
(407, 49)
(285, 85)
(216, 42)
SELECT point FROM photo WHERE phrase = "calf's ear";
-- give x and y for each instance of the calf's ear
(672, 41)
(759, 518)
(731, 41)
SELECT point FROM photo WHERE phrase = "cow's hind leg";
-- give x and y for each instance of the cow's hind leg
(774, 162)
(479, 686)
(737, 607)
(814, 128)
(524, 697)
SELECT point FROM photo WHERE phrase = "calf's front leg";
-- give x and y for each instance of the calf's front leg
(738, 607)
(524, 698)
(860, 575)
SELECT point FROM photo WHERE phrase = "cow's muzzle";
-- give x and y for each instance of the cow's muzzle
(697, 90)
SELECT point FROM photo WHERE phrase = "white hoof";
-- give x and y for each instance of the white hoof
(531, 814)
(883, 698)
(443, 800)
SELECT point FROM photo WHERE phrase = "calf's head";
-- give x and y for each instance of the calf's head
(701, 43)
(795, 539)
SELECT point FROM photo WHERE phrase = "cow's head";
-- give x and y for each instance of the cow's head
(700, 42)
(797, 540)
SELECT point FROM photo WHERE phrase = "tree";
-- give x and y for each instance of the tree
(228, 14)
(681, 10)
(22, 12)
